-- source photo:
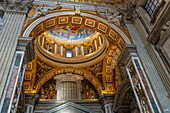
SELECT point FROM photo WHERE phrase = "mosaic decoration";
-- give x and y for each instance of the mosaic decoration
(96, 70)
(76, 22)
(88, 91)
(86, 74)
(71, 32)
(42, 68)
(48, 90)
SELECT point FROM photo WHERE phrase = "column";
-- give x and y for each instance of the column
(95, 44)
(55, 49)
(82, 50)
(100, 41)
(130, 65)
(76, 51)
(9, 34)
(43, 41)
(61, 50)
(13, 23)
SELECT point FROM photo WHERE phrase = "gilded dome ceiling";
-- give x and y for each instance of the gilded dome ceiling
(71, 32)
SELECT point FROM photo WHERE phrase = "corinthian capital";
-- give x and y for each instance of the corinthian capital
(17, 6)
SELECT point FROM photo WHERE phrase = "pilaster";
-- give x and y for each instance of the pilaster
(30, 101)
(14, 17)
(106, 100)
(152, 63)
(24, 54)
(130, 65)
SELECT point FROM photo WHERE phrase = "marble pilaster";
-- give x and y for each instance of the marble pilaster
(9, 34)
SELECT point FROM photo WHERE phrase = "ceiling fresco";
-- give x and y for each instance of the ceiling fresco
(42, 68)
(96, 70)
(71, 32)
(48, 90)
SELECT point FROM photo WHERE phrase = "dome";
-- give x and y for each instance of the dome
(71, 46)
(71, 32)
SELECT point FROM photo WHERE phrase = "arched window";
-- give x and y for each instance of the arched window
(151, 5)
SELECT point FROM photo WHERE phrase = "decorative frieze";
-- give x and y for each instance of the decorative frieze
(82, 73)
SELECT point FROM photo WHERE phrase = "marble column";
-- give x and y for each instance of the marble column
(95, 44)
(43, 41)
(61, 50)
(100, 41)
(55, 49)
(76, 51)
(82, 50)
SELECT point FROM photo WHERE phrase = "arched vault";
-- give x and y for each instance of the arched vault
(56, 71)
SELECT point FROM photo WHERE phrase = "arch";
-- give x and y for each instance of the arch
(109, 62)
(113, 33)
(121, 92)
(102, 22)
(86, 74)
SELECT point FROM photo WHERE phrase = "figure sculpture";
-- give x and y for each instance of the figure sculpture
(39, 11)
(111, 17)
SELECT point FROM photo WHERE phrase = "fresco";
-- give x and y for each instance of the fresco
(88, 91)
(48, 90)
(96, 70)
(42, 68)
(71, 32)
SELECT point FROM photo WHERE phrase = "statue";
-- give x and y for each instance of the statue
(128, 12)
(77, 10)
(90, 50)
(39, 11)
(111, 17)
